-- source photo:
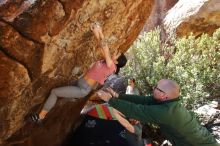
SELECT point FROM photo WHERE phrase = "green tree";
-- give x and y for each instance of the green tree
(193, 62)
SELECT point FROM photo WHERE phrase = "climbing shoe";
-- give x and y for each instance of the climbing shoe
(35, 119)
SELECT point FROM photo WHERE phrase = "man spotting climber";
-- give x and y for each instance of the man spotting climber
(164, 109)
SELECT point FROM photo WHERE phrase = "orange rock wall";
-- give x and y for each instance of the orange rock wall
(48, 43)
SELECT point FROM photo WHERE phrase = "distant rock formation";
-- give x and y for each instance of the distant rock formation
(158, 13)
(200, 16)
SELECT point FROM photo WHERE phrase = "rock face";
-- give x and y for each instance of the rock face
(200, 16)
(48, 43)
(181, 17)
(157, 16)
(158, 13)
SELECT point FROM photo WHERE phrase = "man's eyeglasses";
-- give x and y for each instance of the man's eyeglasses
(155, 87)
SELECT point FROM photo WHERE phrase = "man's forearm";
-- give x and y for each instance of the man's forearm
(124, 122)
(133, 98)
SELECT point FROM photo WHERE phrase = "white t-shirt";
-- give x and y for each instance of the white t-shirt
(131, 90)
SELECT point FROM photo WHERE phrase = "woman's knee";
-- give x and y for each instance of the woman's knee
(85, 92)
(53, 91)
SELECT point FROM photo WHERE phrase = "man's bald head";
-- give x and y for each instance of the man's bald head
(170, 87)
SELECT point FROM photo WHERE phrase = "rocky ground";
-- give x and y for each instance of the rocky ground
(209, 115)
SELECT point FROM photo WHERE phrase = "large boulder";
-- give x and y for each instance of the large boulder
(48, 43)
(160, 9)
(158, 13)
(198, 16)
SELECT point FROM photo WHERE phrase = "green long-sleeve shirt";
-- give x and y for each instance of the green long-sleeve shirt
(179, 126)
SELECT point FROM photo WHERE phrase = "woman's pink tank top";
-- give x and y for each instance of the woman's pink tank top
(100, 72)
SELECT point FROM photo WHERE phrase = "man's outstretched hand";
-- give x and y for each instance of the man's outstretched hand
(106, 96)
(113, 93)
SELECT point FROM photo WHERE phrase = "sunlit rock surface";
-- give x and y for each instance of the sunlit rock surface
(197, 16)
(158, 13)
(48, 43)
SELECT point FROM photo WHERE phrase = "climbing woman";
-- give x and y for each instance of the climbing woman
(98, 73)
